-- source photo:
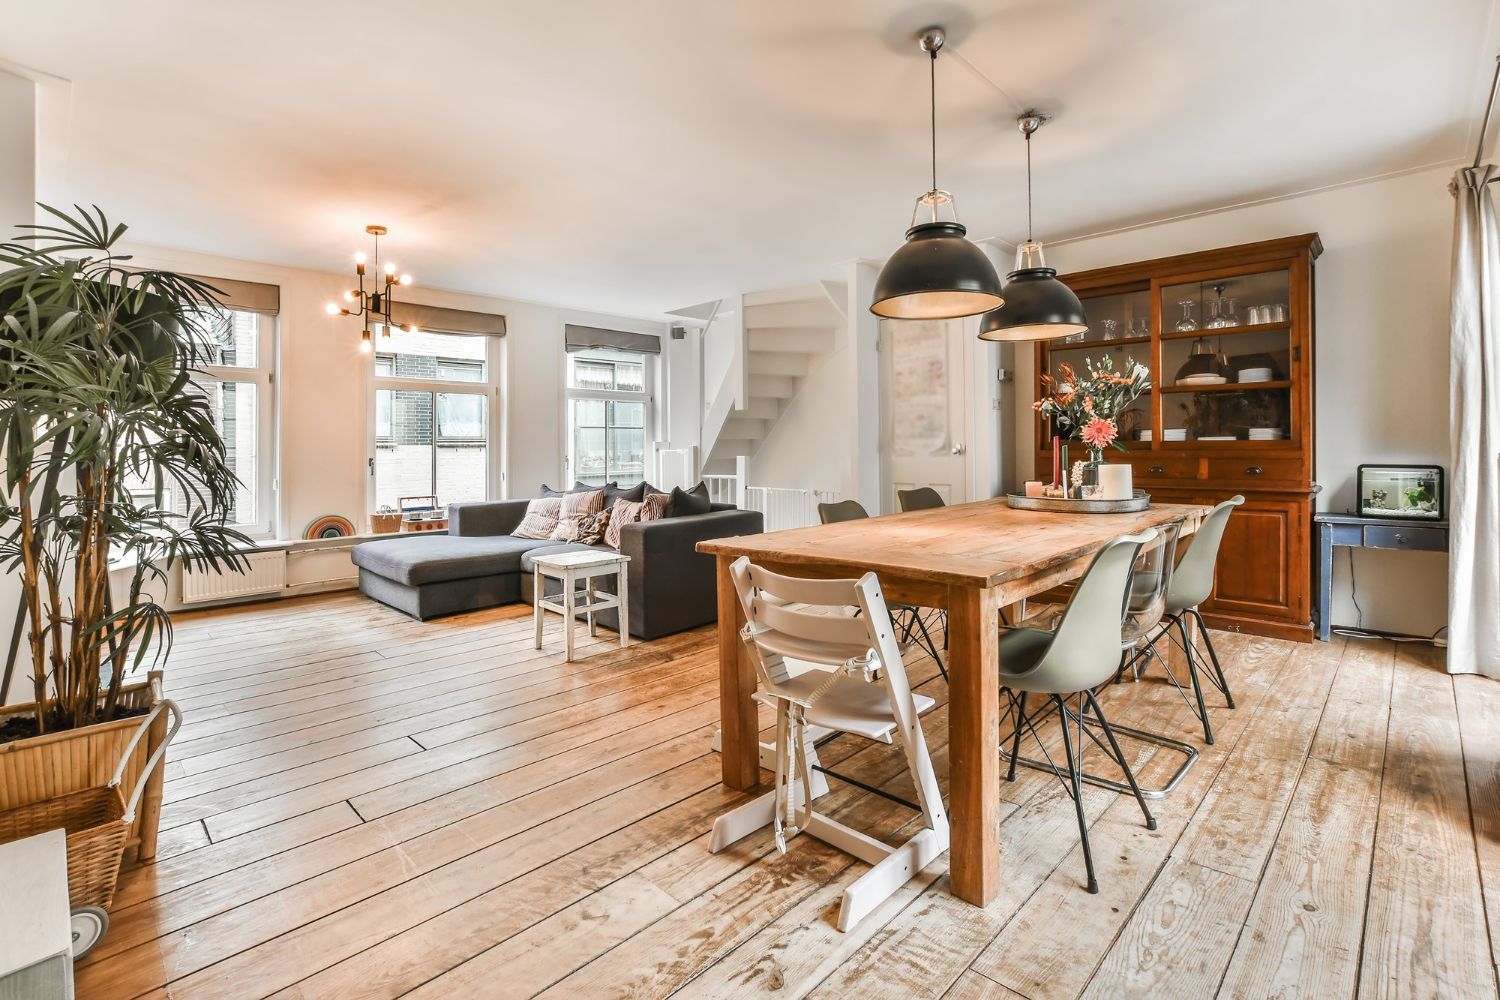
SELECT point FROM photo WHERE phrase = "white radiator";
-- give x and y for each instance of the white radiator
(265, 575)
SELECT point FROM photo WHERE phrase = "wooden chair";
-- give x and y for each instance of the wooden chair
(857, 685)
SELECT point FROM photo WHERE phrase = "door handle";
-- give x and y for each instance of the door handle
(958, 449)
(1253, 470)
(1157, 469)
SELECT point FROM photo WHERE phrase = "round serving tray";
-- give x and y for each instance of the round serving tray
(1141, 501)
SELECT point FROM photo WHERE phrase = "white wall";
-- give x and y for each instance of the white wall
(322, 384)
(1381, 353)
(17, 198)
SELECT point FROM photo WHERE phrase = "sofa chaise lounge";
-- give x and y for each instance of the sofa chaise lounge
(479, 564)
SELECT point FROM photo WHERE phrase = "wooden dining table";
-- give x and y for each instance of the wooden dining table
(969, 559)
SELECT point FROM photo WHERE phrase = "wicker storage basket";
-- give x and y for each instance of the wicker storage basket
(98, 820)
(384, 524)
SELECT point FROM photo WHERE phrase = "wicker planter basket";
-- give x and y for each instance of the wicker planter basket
(42, 768)
(98, 820)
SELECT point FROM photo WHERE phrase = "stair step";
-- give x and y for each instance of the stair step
(773, 386)
(813, 312)
(744, 428)
(732, 447)
(796, 339)
(761, 407)
(777, 363)
(777, 295)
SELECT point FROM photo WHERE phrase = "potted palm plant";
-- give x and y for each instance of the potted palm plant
(113, 460)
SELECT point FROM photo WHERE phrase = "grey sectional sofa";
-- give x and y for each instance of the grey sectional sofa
(478, 564)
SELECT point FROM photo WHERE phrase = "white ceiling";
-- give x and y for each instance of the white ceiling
(639, 156)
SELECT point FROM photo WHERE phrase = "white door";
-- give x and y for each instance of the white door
(924, 441)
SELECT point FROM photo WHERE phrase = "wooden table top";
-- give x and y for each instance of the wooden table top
(980, 544)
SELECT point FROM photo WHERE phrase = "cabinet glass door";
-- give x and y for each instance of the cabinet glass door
(1226, 358)
(1120, 330)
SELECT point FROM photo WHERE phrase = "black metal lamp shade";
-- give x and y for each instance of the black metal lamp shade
(1037, 307)
(936, 274)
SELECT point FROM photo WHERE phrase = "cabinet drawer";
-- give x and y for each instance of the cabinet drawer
(1160, 468)
(1420, 538)
(1255, 470)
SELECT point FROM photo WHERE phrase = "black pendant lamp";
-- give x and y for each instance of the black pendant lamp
(1037, 305)
(937, 273)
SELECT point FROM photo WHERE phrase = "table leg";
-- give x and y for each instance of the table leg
(1325, 581)
(622, 584)
(974, 742)
(569, 615)
(738, 735)
(537, 583)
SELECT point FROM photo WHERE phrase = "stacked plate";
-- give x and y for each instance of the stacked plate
(1219, 437)
(1202, 380)
(1174, 434)
(1143, 435)
(1266, 434)
(1255, 375)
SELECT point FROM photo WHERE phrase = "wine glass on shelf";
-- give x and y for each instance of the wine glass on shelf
(1111, 329)
(1187, 324)
(1230, 315)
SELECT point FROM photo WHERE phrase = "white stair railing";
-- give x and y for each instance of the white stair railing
(786, 508)
(729, 489)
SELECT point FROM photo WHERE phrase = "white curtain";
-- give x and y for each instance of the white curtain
(1474, 425)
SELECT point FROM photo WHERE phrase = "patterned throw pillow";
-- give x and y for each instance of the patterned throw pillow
(653, 508)
(541, 518)
(574, 507)
(586, 530)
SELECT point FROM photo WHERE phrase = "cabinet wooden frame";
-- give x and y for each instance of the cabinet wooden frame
(1261, 595)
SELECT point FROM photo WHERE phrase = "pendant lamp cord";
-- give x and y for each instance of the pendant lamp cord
(932, 93)
(1028, 187)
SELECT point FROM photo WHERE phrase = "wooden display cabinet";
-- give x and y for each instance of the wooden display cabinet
(1228, 337)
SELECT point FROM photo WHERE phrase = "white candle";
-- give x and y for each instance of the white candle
(1114, 482)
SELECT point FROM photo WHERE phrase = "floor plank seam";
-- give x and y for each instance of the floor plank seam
(354, 809)
(1474, 835)
(1385, 766)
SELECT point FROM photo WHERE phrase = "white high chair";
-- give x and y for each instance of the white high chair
(858, 686)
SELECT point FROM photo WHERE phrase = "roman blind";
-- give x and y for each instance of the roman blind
(443, 320)
(250, 296)
(583, 338)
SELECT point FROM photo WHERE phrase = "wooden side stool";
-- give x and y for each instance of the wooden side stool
(570, 568)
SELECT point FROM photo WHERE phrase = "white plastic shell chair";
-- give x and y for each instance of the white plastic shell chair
(1145, 605)
(1191, 584)
(857, 684)
(1082, 653)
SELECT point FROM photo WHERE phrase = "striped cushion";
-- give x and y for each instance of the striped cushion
(653, 508)
(541, 518)
(574, 507)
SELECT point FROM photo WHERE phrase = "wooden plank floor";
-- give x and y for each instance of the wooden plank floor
(360, 805)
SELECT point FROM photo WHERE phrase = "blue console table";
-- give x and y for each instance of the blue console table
(1368, 533)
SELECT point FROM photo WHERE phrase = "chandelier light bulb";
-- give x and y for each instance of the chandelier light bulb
(390, 268)
(333, 310)
(406, 279)
(411, 328)
(348, 296)
(364, 342)
(360, 257)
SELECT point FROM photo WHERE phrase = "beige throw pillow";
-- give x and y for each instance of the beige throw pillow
(574, 507)
(653, 508)
(541, 518)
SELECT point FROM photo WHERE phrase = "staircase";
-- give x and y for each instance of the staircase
(779, 337)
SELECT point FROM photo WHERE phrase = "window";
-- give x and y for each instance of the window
(434, 417)
(237, 383)
(609, 411)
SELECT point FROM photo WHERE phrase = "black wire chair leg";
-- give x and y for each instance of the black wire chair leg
(1192, 662)
(1073, 769)
(926, 643)
(1120, 757)
(1213, 655)
(1015, 747)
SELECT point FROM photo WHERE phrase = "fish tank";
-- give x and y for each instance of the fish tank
(1408, 491)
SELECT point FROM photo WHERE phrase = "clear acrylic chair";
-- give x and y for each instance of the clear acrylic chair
(1066, 664)
(856, 684)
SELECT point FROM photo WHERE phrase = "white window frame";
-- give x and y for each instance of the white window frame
(647, 395)
(490, 388)
(263, 377)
